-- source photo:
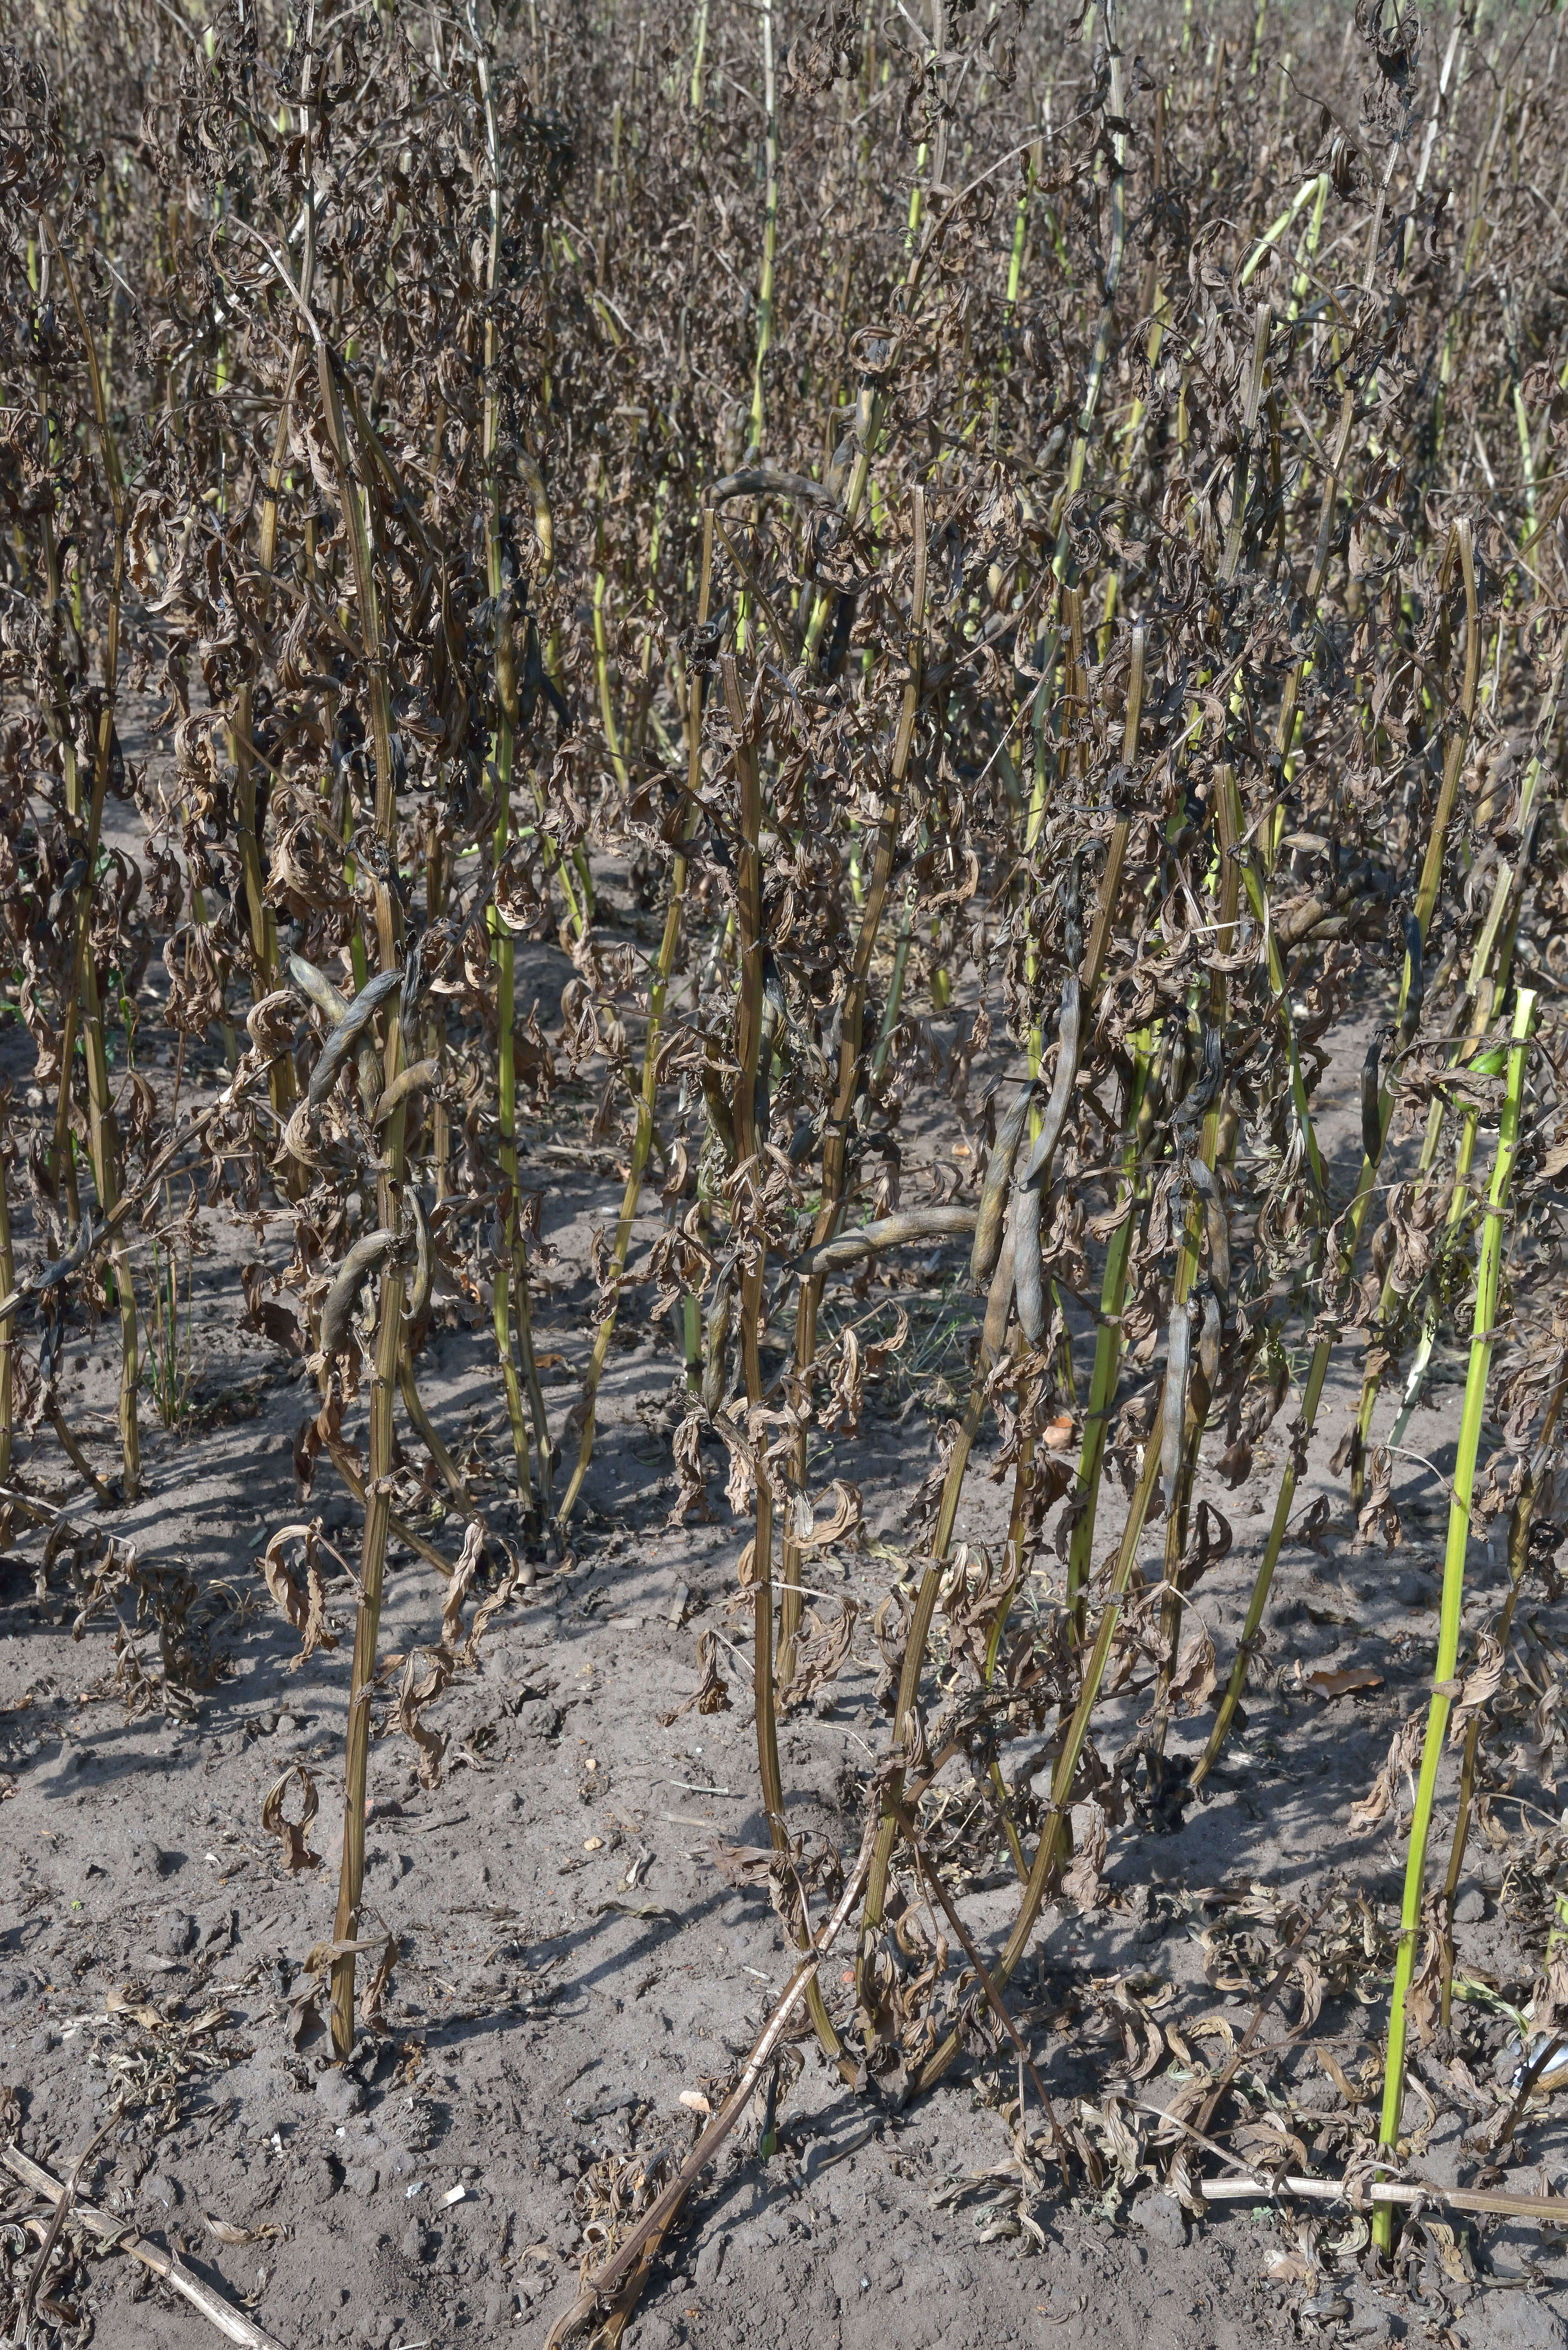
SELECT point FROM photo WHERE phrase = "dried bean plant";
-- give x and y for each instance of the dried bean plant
(1037, 540)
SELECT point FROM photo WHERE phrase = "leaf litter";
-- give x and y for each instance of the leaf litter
(1090, 807)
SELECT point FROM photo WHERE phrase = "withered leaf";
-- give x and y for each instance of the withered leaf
(1346, 1682)
(291, 1833)
(1192, 1683)
(415, 1693)
(711, 1694)
(305, 1609)
(228, 2232)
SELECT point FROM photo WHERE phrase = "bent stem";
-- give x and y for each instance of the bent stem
(429, 1435)
(1488, 1282)
(628, 2262)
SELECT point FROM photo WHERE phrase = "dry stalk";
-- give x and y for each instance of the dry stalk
(628, 2264)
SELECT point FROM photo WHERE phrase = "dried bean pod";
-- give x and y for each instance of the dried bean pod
(1202, 1093)
(424, 1259)
(998, 1305)
(1371, 1104)
(717, 1348)
(1209, 1342)
(1028, 1274)
(1410, 1018)
(888, 1231)
(374, 993)
(74, 1258)
(1068, 1028)
(408, 1081)
(1217, 1224)
(360, 1262)
(767, 480)
(1173, 1422)
(336, 1006)
(991, 1216)
(318, 987)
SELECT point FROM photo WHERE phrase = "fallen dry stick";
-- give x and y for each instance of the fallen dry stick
(64, 2202)
(604, 2281)
(1551, 2210)
(213, 2305)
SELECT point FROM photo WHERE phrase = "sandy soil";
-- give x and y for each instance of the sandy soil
(572, 1961)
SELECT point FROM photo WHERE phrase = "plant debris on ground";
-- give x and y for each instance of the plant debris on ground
(781, 1171)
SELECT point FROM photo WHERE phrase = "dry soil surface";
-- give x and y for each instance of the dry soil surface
(572, 1962)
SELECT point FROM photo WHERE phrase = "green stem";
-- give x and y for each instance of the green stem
(1487, 1284)
(769, 228)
